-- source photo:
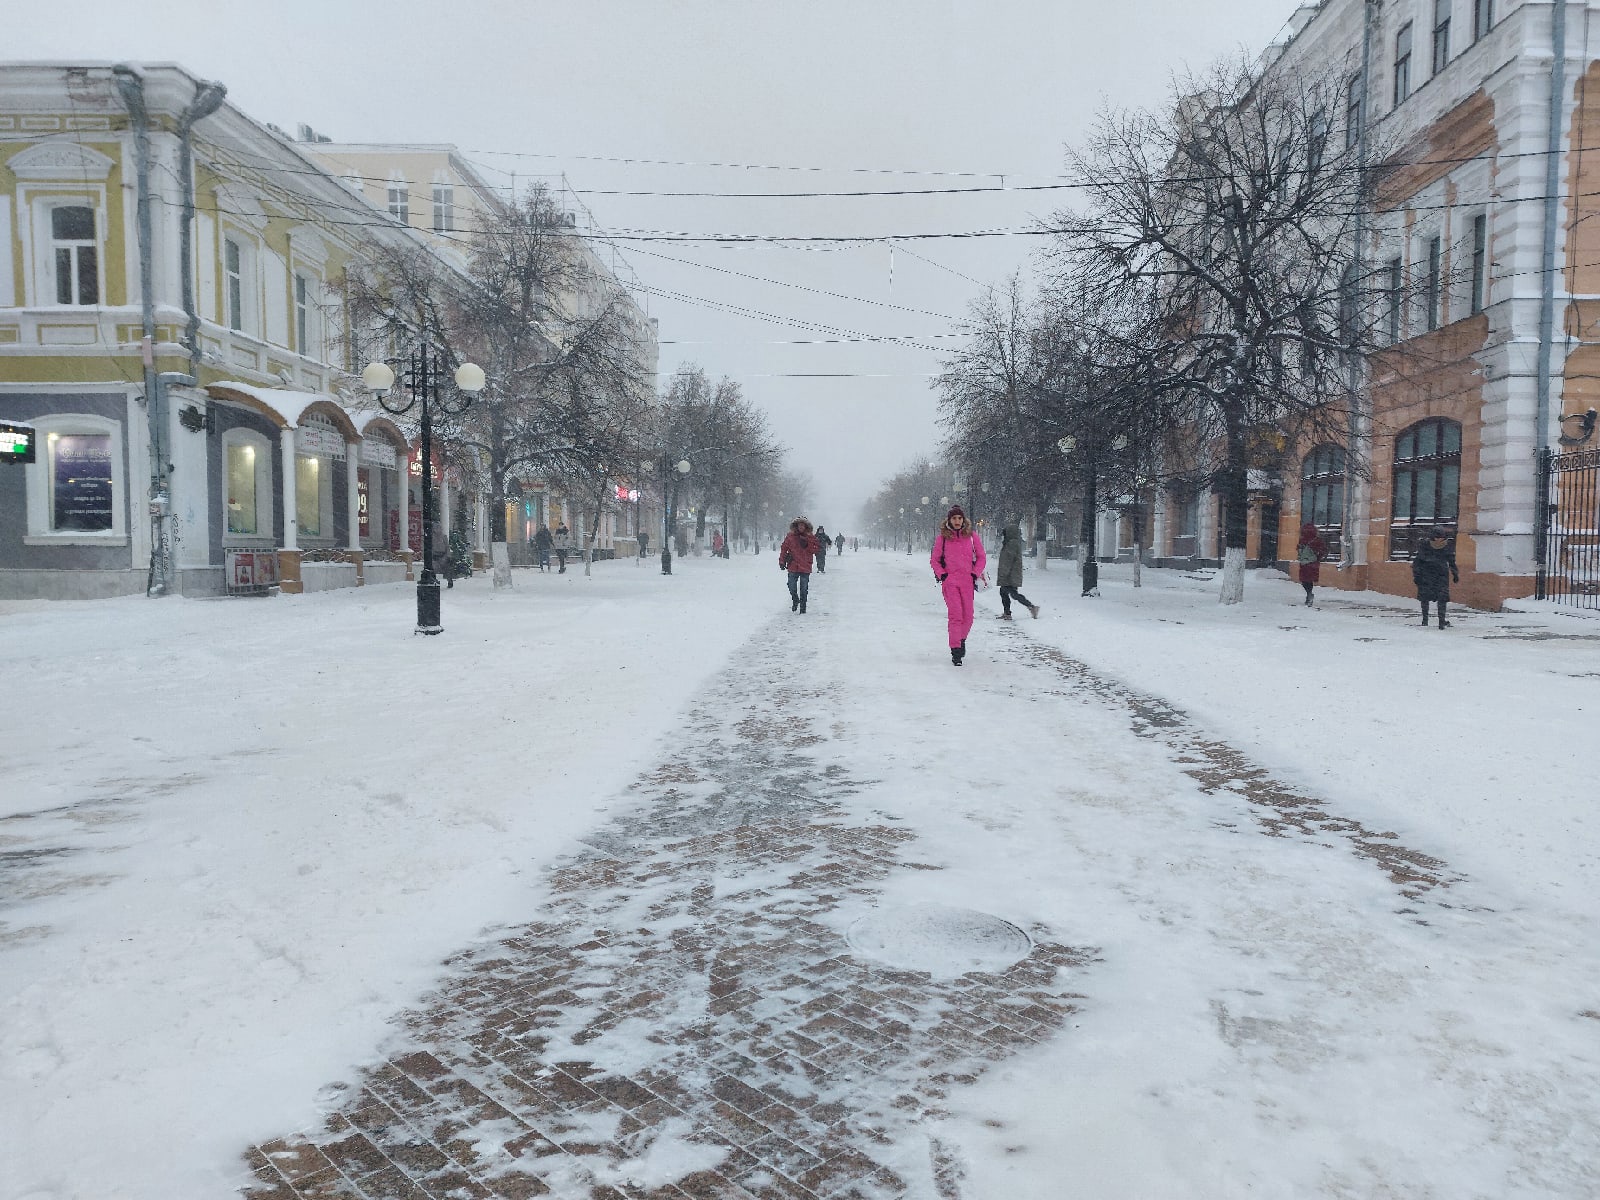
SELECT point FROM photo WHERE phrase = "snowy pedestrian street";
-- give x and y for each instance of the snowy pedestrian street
(649, 887)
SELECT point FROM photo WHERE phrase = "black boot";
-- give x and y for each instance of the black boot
(1424, 612)
(794, 603)
(1443, 624)
(955, 656)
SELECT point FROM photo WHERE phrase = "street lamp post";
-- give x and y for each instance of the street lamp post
(738, 511)
(667, 514)
(421, 371)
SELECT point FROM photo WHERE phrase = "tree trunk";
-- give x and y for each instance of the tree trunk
(1236, 495)
(1041, 533)
(1138, 540)
(499, 552)
(1088, 559)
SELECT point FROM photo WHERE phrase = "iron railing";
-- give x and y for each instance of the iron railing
(1567, 546)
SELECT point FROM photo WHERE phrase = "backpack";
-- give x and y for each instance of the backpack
(1307, 554)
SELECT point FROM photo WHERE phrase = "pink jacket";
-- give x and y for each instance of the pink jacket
(958, 555)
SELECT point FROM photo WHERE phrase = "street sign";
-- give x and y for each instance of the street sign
(17, 442)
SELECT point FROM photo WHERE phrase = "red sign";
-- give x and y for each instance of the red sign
(252, 568)
(365, 522)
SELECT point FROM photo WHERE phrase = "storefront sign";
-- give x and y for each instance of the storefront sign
(628, 494)
(377, 452)
(319, 439)
(82, 481)
(17, 442)
(365, 522)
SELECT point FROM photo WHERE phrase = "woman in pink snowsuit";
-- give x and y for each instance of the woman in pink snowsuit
(958, 563)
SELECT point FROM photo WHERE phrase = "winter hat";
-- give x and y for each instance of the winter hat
(955, 511)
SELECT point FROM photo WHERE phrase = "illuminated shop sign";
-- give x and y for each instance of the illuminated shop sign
(17, 442)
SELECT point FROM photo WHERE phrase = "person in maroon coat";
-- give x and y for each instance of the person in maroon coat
(1309, 553)
(796, 555)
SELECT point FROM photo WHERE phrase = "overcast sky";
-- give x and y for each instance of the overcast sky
(822, 96)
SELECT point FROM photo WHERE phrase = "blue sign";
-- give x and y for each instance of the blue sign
(82, 481)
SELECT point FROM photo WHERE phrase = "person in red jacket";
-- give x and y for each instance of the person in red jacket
(1309, 553)
(798, 552)
(958, 563)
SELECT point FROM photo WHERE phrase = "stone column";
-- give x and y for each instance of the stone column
(403, 473)
(289, 579)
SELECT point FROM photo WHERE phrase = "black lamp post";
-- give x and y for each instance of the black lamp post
(668, 492)
(421, 370)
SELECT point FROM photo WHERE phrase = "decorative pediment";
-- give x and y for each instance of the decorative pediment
(55, 161)
(242, 206)
(308, 245)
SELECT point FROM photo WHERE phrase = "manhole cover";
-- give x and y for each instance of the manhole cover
(944, 942)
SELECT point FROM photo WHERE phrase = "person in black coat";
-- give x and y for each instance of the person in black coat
(1433, 569)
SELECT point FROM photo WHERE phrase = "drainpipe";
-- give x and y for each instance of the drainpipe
(130, 83)
(1353, 548)
(208, 98)
(1552, 218)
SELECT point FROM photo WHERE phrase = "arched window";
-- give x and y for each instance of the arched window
(1322, 494)
(1427, 483)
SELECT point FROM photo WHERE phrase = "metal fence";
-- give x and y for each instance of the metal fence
(1568, 549)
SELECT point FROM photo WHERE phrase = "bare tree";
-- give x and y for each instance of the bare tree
(1234, 216)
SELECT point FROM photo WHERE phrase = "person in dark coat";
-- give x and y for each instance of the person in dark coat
(1009, 573)
(1433, 569)
(644, 543)
(541, 544)
(800, 549)
(1309, 552)
(563, 543)
(824, 544)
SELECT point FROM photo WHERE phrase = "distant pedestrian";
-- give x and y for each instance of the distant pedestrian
(838, 543)
(1309, 553)
(1009, 573)
(644, 543)
(824, 544)
(541, 543)
(800, 549)
(716, 543)
(440, 562)
(958, 562)
(563, 543)
(1433, 569)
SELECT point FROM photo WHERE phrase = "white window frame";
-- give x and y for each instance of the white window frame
(266, 522)
(38, 211)
(40, 475)
(249, 281)
(307, 313)
(398, 199)
(444, 205)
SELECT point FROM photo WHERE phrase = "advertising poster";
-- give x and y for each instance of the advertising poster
(82, 463)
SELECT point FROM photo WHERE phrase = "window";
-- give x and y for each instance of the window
(1318, 131)
(1352, 112)
(1441, 34)
(1480, 263)
(1427, 483)
(1402, 64)
(444, 208)
(1349, 306)
(233, 283)
(306, 339)
(1431, 295)
(400, 201)
(308, 474)
(1482, 17)
(77, 264)
(247, 481)
(75, 488)
(1322, 494)
(1395, 295)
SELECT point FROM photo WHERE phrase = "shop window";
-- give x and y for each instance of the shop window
(1322, 483)
(247, 483)
(75, 254)
(1427, 483)
(75, 488)
(311, 478)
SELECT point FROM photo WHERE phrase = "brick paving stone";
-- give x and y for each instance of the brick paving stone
(685, 984)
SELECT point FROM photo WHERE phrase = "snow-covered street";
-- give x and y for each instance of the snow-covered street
(635, 886)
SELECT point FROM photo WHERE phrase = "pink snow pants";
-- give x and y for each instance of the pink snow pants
(958, 604)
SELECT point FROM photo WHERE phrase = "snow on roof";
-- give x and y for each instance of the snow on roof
(288, 404)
